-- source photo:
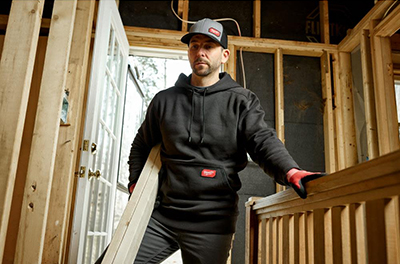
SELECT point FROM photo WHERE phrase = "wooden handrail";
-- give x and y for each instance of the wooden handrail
(126, 240)
(351, 216)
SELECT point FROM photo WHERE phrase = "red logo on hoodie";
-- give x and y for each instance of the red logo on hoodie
(214, 31)
(208, 173)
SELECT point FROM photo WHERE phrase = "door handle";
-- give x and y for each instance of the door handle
(95, 174)
(93, 148)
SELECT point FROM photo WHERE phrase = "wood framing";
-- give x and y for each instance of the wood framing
(346, 87)
(338, 115)
(389, 25)
(352, 40)
(183, 12)
(386, 114)
(68, 143)
(41, 163)
(230, 65)
(126, 240)
(16, 67)
(349, 216)
(324, 21)
(257, 18)
(369, 97)
(330, 161)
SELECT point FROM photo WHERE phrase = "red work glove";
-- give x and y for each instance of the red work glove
(298, 178)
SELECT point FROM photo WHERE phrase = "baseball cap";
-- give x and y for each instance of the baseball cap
(209, 28)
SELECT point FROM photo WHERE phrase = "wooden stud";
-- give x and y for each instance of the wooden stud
(389, 24)
(183, 12)
(68, 145)
(375, 231)
(348, 234)
(251, 231)
(338, 115)
(361, 234)
(333, 235)
(294, 240)
(283, 256)
(41, 164)
(19, 186)
(330, 163)
(352, 40)
(257, 18)
(392, 224)
(262, 246)
(387, 124)
(369, 101)
(303, 238)
(134, 220)
(230, 65)
(16, 67)
(346, 86)
(324, 21)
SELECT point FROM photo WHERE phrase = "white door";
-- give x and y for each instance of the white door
(95, 197)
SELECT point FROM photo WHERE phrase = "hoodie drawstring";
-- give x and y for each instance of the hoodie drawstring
(191, 117)
(203, 131)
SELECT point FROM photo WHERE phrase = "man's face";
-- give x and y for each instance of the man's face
(206, 55)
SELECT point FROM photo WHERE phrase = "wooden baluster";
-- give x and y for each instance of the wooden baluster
(349, 247)
(294, 226)
(392, 222)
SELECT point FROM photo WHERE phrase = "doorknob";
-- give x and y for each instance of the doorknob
(95, 174)
(93, 148)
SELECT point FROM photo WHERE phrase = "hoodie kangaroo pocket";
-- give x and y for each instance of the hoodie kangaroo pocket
(200, 187)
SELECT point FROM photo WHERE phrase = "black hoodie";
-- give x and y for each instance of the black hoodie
(205, 133)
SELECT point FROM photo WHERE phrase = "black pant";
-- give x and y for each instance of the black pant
(159, 242)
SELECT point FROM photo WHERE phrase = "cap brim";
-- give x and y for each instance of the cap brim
(186, 38)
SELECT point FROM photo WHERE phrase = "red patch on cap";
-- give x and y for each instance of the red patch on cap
(208, 173)
(214, 31)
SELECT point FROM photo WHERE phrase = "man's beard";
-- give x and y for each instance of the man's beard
(204, 70)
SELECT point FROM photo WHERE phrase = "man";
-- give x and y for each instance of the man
(206, 124)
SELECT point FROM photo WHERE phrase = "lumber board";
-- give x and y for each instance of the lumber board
(352, 40)
(230, 65)
(161, 38)
(338, 116)
(257, 18)
(330, 161)
(386, 113)
(68, 144)
(41, 163)
(16, 68)
(126, 240)
(324, 21)
(389, 25)
(183, 12)
(369, 96)
(349, 131)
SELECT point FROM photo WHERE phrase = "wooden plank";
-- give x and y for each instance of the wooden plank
(330, 162)
(274, 242)
(19, 186)
(126, 240)
(45, 135)
(294, 240)
(348, 234)
(369, 96)
(352, 40)
(375, 231)
(303, 239)
(389, 25)
(16, 67)
(361, 234)
(251, 242)
(257, 18)
(349, 131)
(324, 21)
(183, 12)
(161, 38)
(387, 124)
(262, 245)
(68, 145)
(230, 65)
(392, 223)
(333, 235)
(283, 256)
(338, 115)
(45, 23)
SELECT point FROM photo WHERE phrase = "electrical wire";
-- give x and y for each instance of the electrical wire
(390, 7)
(218, 20)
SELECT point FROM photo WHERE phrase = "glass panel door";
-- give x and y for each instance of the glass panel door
(93, 216)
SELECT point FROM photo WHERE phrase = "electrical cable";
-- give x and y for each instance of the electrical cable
(219, 19)
(390, 7)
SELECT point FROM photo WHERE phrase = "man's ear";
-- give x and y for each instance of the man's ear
(225, 56)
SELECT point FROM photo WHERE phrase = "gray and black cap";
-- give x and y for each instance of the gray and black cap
(209, 28)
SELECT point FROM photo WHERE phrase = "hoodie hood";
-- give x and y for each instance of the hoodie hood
(225, 83)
